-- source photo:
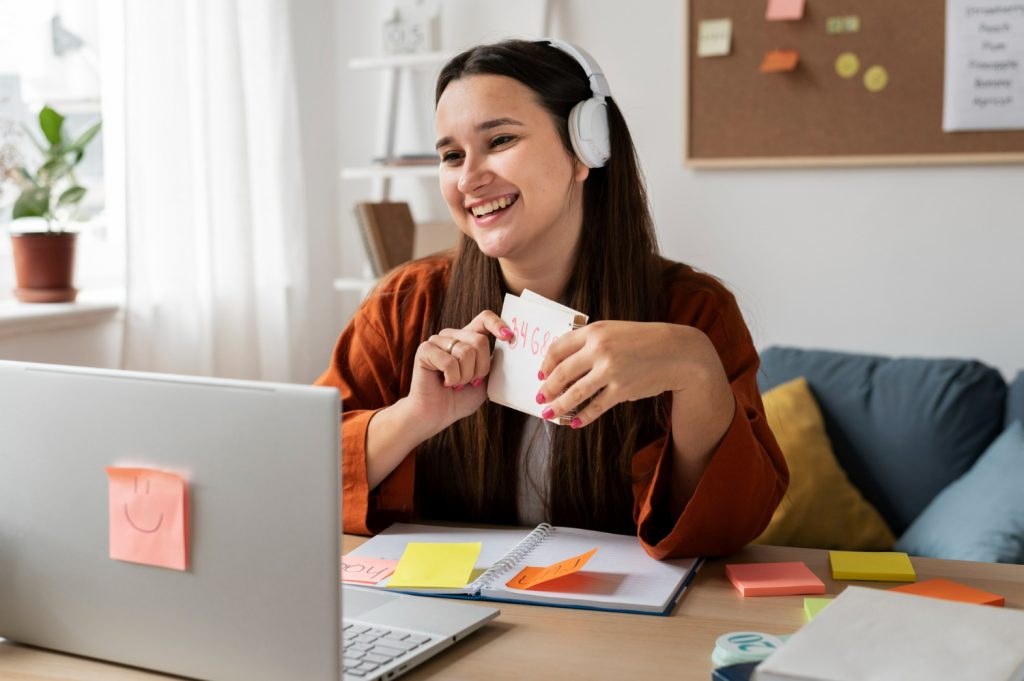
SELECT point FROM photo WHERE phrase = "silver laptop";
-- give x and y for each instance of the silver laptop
(237, 482)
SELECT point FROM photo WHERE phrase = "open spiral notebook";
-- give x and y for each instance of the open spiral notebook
(620, 576)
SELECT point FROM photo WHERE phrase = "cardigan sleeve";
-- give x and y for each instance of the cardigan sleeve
(368, 369)
(746, 476)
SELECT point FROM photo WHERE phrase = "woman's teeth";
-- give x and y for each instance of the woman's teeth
(484, 209)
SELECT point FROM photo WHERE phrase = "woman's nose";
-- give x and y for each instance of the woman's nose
(474, 176)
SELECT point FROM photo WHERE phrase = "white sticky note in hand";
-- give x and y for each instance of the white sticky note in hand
(536, 323)
(714, 38)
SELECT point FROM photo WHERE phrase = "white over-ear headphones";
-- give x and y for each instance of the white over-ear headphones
(588, 120)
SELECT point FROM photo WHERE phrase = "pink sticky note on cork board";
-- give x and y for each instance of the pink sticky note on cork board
(148, 517)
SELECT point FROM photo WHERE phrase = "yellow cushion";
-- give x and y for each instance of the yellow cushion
(822, 509)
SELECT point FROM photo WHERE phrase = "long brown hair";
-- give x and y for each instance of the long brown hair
(469, 471)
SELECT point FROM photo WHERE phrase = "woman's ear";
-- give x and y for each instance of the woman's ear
(580, 169)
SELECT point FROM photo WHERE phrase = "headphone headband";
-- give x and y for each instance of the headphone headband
(598, 83)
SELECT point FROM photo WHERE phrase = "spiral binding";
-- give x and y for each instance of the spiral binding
(518, 552)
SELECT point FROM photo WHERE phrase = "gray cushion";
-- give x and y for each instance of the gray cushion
(1015, 400)
(902, 429)
(981, 515)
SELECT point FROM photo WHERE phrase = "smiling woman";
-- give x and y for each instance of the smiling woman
(669, 442)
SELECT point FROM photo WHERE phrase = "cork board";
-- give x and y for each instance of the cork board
(738, 116)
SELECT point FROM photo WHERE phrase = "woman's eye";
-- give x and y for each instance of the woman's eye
(450, 157)
(501, 139)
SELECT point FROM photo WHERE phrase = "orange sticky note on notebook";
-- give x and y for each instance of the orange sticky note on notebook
(778, 61)
(148, 517)
(951, 591)
(530, 577)
(784, 10)
(361, 570)
(774, 579)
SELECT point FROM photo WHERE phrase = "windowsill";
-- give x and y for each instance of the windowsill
(95, 308)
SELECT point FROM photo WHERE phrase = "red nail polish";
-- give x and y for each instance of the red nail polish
(477, 382)
(506, 333)
(540, 375)
(547, 413)
(576, 423)
(460, 386)
(540, 398)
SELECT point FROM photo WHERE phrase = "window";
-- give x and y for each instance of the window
(50, 55)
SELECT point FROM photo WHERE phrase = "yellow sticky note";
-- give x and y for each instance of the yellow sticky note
(148, 517)
(714, 38)
(530, 577)
(882, 566)
(812, 606)
(435, 565)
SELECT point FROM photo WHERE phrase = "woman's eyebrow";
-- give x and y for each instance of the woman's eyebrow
(486, 125)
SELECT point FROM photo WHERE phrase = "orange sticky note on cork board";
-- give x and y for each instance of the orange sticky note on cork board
(148, 517)
(778, 61)
(530, 577)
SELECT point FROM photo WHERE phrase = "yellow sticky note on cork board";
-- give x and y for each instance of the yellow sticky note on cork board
(148, 517)
(530, 577)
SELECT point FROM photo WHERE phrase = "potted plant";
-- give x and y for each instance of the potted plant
(44, 260)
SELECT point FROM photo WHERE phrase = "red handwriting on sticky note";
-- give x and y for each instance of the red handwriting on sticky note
(778, 61)
(530, 577)
(148, 517)
(365, 570)
(784, 10)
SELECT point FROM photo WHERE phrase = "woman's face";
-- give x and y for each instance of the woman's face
(509, 183)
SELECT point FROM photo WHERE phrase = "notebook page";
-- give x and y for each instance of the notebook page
(619, 576)
(390, 544)
(535, 326)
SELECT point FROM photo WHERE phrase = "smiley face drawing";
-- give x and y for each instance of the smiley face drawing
(148, 517)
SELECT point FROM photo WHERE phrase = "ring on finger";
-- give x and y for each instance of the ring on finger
(451, 345)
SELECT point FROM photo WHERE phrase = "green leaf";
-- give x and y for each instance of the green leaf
(33, 203)
(51, 122)
(71, 196)
(27, 176)
(53, 170)
(79, 144)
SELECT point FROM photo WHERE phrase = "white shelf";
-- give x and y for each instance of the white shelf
(419, 60)
(354, 284)
(385, 172)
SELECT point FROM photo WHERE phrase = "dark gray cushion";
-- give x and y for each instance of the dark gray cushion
(1015, 400)
(902, 429)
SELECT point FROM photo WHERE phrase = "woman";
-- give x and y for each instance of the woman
(670, 442)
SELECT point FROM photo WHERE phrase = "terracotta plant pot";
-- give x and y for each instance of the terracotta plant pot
(44, 264)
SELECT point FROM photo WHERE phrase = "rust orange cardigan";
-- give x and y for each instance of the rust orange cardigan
(734, 499)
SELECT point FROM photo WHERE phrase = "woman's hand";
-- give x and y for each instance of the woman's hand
(613, 362)
(450, 370)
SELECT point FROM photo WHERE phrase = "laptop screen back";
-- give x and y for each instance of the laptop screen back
(260, 596)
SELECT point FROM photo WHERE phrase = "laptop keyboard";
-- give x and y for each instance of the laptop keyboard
(367, 648)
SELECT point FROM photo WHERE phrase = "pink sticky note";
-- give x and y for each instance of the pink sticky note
(365, 570)
(784, 10)
(148, 517)
(774, 579)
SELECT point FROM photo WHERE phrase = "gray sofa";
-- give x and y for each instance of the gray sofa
(936, 445)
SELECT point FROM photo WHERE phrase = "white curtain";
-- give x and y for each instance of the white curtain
(217, 233)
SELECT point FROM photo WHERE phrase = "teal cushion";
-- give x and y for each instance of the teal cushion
(980, 516)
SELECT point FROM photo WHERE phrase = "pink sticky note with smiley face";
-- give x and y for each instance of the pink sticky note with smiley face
(148, 517)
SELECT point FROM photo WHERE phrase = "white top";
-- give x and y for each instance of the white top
(534, 462)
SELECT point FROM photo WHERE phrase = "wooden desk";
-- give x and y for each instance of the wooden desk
(538, 642)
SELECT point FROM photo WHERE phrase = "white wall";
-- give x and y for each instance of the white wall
(918, 261)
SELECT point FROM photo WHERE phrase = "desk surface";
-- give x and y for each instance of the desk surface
(538, 642)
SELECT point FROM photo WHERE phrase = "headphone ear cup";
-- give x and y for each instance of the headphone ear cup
(588, 132)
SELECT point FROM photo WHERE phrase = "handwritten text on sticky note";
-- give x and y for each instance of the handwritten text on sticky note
(714, 38)
(530, 577)
(361, 570)
(148, 512)
(435, 565)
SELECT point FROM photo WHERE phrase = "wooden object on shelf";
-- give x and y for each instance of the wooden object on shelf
(388, 233)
